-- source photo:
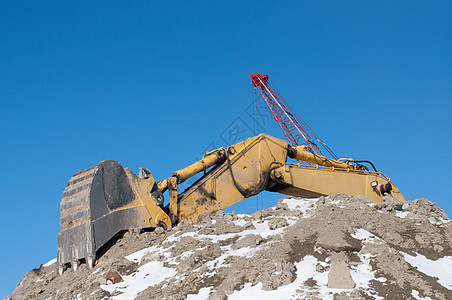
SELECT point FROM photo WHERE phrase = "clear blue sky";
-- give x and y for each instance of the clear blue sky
(152, 84)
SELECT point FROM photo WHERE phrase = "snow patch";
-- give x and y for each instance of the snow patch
(261, 228)
(415, 294)
(305, 270)
(202, 294)
(440, 268)
(401, 214)
(228, 251)
(366, 236)
(147, 275)
(137, 256)
(361, 274)
(49, 263)
(306, 206)
(438, 222)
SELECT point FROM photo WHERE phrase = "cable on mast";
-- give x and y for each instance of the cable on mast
(294, 128)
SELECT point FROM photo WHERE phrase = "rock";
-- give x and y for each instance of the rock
(339, 276)
(223, 228)
(380, 206)
(333, 239)
(185, 226)
(218, 216)
(100, 280)
(425, 203)
(438, 248)
(277, 223)
(249, 225)
(113, 276)
(206, 230)
(389, 200)
(203, 269)
(361, 198)
(251, 241)
(262, 214)
(319, 268)
(204, 218)
(420, 239)
(151, 256)
(218, 295)
(228, 218)
(159, 230)
(353, 295)
(281, 206)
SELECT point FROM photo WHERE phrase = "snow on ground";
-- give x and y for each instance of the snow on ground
(307, 206)
(438, 221)
(147, 275)
(154, 272)
(173, 259)
(306, 269)
(202, 294)
(228, 251)
(49, 263)
(440, 268)
(401, 214)
(137, 256)
(363, 273)
(366, 236)
(261, 228)
(415, 294)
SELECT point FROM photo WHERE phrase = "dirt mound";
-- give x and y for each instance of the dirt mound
(337, 247)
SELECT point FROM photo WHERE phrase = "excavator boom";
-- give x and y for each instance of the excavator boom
(260, 163)
(106, 199)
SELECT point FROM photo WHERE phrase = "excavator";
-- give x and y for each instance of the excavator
(104, 200)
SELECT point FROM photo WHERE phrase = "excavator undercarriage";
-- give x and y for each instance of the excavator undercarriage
(106, 199)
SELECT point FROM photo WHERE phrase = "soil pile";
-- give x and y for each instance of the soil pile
(337, 247)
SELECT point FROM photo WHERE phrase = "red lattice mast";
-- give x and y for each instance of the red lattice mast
(287, 119)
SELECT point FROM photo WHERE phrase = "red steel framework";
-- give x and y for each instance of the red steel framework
(288, 120)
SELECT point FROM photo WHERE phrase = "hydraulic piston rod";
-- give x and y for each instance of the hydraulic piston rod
(300, 153)
(213, 158)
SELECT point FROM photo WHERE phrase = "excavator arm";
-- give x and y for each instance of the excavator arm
(101, 201)
(260, 163)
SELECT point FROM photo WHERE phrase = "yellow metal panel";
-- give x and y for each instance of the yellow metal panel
(310, 181)
(250, 161)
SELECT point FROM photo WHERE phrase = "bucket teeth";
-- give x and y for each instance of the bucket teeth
(61, 269)
(74, 265)
(90, 261)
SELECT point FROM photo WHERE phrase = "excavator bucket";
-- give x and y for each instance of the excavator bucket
(100, 202)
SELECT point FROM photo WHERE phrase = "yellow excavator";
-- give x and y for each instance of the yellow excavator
(106, 199)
